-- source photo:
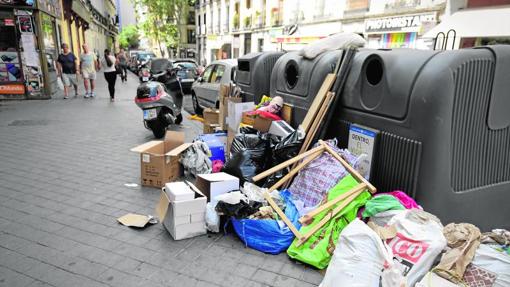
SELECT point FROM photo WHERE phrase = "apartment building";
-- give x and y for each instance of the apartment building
(231, 28)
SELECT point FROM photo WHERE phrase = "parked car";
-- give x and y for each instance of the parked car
(187, 74)
(205, 90)
(139, 59)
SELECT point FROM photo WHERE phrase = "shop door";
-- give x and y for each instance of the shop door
(11, 74)
(50, 51)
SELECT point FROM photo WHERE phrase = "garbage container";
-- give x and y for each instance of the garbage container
(441, 125)
(297, 80)
(254, 74)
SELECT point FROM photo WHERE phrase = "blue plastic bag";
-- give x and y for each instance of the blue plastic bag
(266, 235)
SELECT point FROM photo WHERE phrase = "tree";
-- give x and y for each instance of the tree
(163, 20)
(129, 37)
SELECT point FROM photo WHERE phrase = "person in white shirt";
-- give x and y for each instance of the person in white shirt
(110, 72)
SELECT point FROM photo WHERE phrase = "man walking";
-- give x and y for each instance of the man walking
(88, 67)
(66, 65)
(122, 60)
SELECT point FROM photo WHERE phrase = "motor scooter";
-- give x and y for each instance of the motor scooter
(160, 97)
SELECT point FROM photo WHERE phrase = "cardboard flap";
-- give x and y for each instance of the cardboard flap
(146, 146)
(134, 220)
(173, 140)
(162, 206)
(194, 188)
(178, 150)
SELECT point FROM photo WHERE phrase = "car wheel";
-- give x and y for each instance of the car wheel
(198, 109)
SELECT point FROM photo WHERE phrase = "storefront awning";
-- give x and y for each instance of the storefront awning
(473, 23)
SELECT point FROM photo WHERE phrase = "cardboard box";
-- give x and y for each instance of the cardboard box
(159, 160)
(210, 128)
(280, 128)
(248, 118)
(224, 99)
(211, 116)
(262, 124)
(183, 219)
(178, 191)
(215, 184)
(287, 113)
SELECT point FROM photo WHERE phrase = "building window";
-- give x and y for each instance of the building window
(191, 17)
(247, 44)
(261, 45)
(192, 39)
(248, 4)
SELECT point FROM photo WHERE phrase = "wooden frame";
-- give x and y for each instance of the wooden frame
(348, 197)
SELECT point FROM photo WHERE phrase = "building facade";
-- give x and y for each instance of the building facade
(232, 28)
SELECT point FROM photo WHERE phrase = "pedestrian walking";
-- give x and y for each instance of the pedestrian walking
(66, 67)
(122, 60)
(110, 72)
(88, 66)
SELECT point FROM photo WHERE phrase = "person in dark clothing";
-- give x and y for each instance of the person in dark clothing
(66, 68)
(110, 73)
(122, 60)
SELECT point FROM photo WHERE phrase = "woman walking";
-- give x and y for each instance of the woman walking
(110, 73)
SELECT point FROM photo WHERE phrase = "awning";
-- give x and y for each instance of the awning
(473, 23)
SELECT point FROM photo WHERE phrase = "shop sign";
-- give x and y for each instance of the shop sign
(9, 22)
(25, 24)
(12, 89)
(406, 23)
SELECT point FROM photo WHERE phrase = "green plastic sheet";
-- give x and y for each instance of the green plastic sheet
(319, 248)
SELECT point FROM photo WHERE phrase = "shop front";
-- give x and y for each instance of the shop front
(403, 31)
(28, 44)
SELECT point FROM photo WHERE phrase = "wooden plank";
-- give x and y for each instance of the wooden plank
(307, 218)
(327, 218)
(295, 170)
(349, 168)
(317, 101)
(282, 215)
(285, 164)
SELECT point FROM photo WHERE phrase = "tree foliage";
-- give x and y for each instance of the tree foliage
(163, 19)
(129, 37)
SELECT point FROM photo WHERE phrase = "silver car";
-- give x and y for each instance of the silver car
(205, 90)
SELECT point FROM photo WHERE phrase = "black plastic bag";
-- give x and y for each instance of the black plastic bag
(283, 150)
(249, 153)
(240, 210)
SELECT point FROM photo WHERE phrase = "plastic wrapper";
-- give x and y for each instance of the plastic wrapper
(212, 219)
(196, 159)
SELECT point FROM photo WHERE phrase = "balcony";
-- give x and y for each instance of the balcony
(259, 20)
(276, 17)
(247, 22)
(235, 22)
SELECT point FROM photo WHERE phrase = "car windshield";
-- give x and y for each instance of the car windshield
(187, 73)
(146, 56)
(158, 65)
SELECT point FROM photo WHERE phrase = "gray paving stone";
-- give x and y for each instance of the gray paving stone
(62, 189)
(9, 278)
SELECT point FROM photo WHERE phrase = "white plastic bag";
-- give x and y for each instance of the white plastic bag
(233, 197)
(418, 242)
(212, 219)
(359, 258)
(332, 42)
(495, 264)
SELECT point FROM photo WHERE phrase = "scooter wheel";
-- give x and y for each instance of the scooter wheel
(157, 128)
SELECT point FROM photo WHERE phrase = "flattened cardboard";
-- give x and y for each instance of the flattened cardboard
(215, 184)
(235, 113)
(287, 113)
(134, 220)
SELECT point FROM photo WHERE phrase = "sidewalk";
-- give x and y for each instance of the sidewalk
(62, 174)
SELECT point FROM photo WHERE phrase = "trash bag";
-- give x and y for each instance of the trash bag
(267, 235)
(248, 156)
(239, 210)
(357, 241)
(318, 249)
(283, 150)
(212, 219)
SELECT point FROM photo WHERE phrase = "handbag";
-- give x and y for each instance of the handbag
(118, 69)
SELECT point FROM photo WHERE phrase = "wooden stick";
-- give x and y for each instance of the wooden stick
(285, 164)
(327, 218)
(309, 216)
(284, 217)
(295, 170)
(317, 101)
(348, 167)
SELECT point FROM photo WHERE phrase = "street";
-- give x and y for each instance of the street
(63, 172)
